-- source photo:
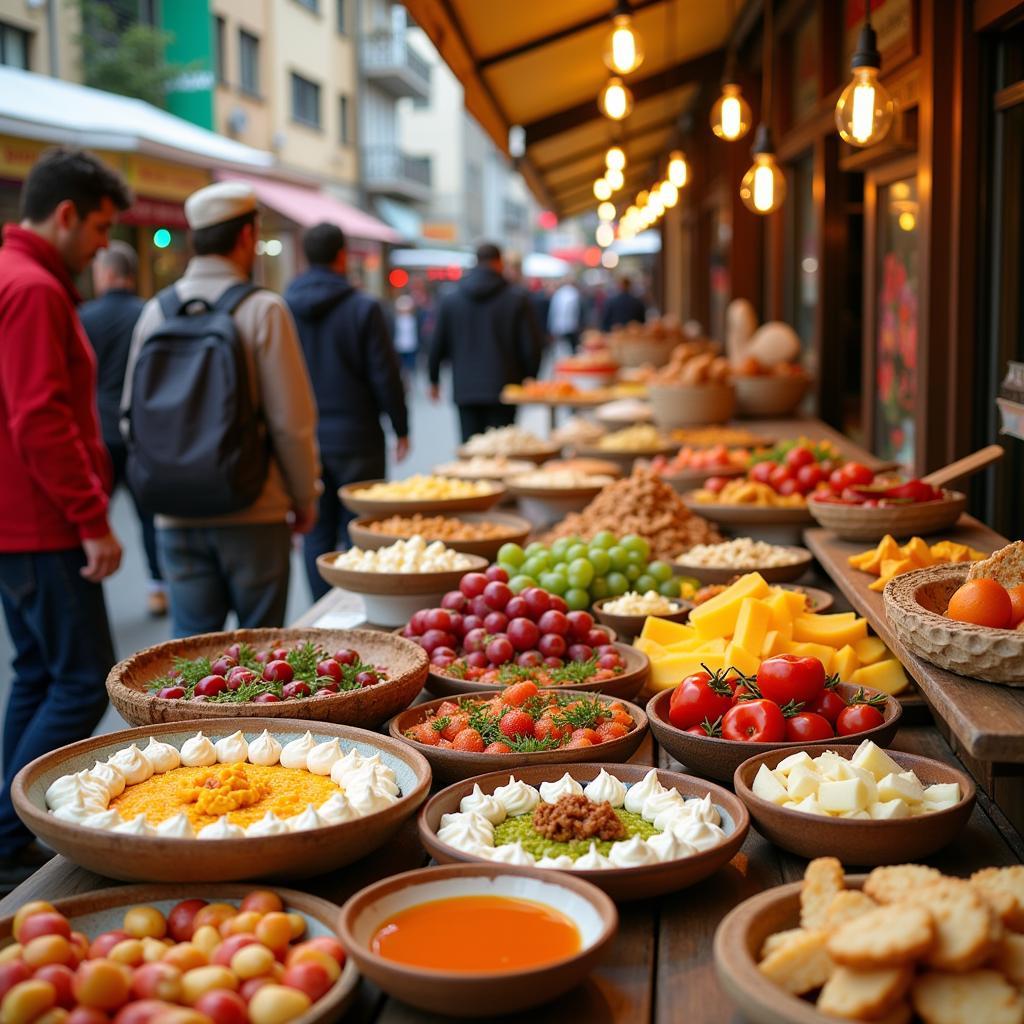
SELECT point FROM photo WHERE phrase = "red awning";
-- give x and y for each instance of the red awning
(309, 206)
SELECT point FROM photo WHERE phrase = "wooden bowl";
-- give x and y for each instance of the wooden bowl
(397, 506)
(855, 522)
(688, 405)
(771, 573)
(915, 605)
(593, 467)
(545, 506)
(768, 396)
(103, 910)
(537, 456)
(159, 859)
(688, 479)
(620, 883)
(453, 765)
(818, 601)
(460, 470)
(518, 530)
(737, 945)
(404, 662)
(624, 459)
(782, 525)
(630, 626)
(719, 758)
(625, 686)
(474, 994)
(899, 841)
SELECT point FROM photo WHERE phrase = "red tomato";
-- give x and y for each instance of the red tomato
(807, 727)
(855, 474)
(788, 487)
(810, 476)
(798, 457)
(829, 705)
(699, 697)
(758, 721)
(858, 718)
(761, 471)
(789, 677)
(223, 1006)
(779, 475)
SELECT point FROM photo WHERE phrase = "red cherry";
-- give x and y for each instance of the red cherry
(266, 698)
(434, 638)
(171, 692)
(294, 690)
(554, 622)
(345, 656)
(210, 686)
(477, 659)
(233, 651)
(455, 600)
(222, 666)
(438, 618)
(495, 573)
(553, 662)
(518, 608)
(473, 583)
(523, 633)
(530, 659)
(474, 640)
(367, 678)
(552, 645)
(580, 624)
(240, 676)
(471, 622)
(479, 606)
(329, 667)
(558, 604)
(496, 622)
(538, 601)
(497, 594)
(580, 652)
(500, 650)
(609, 661)
(457, 627)
(417, 623)
(278, 671)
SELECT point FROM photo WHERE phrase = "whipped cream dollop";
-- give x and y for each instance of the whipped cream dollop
(348, 765)
(265, 750)
(667, 802)
(269, 825)
(106, 820)
(552, 792)
(484, 804)
(632, 853)
(323, 757)
(466, 831)
(132, 764)
(511, 853)
(641, 791)
(668, 846)
(138, 826)
(78, 787)
(703, 810)
(296, 753)
(562, 862)
(78, 808)
(304, 821)
(106, 775)
(162, 756)
(517, 797)
(592, 860)
(232, 749)
(336, 810)
(177, 827)
(606, 788)
(221, 829)
(366, 798)
(198, 752)
(700, 834)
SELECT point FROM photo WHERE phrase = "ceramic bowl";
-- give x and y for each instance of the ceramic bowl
(427, 506)
(856, 522)
(620, 883)
(103, 910)
(625, 686)
(630, 626)
(404, 662)
(771, 573)
(476, 994)
(517, 527)
(463, 470)
(625, 459)
(159, 859)
(768, 396)
(899, 841)
(452, 765)
(783, 525)
(719, 758)
(545, 506)
(687, 405)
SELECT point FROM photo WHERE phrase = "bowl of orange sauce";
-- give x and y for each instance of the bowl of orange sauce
(469, 940)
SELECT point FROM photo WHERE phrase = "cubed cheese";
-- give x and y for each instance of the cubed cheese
(942, 792)
(810, 805)
(836, 769)
(780, 611)
(664, 632)
(741, 659)
(670, 670)
(768, 787)
(868, 779)
(820, 651)
(751, 625)
(650, 647)
(870, 649)
(887, 676)
(896, 787)
(871, 756)
(802, 782)
(845, 662)
(831, 630)
(769, 642)
(843, 795)
(885, 810)
(797, 602)
(718, 616)
(788, 763)
(855, 814)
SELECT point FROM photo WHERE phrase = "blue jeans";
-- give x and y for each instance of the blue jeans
(62, 654)
(213, 570)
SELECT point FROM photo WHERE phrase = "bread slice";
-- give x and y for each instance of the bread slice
(885, 937)
(971, 998)
(1005, 566)
(799, 965)
(864, 995)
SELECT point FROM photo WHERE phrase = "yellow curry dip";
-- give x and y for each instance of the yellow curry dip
(244, 792)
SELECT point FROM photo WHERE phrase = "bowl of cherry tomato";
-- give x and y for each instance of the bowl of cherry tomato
(713, 722)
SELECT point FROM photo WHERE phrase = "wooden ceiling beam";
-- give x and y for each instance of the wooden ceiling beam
(622, 140)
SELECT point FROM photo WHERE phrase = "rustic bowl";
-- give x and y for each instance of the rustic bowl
(770, 573)
(544, 506)
(737, 945)
(537, 456)
(687, 405)
(855, 522)
(103, 910)
(625, 686)
(782, 525)
(900, 841)
(477, 994)
(818, 600)
(460, 470)
(768, 396)
(159, 859)
(404, 661)
(397, 506)
(453, 765)
(630, 626)
(719, 758)
(620, 883)
(518, 530)
(578, 464)
(687, 479)
(915, 605)
(624, 459)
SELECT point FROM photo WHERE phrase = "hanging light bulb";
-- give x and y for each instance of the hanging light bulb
(763, 187)
(606, 211)
(669, 194)
(730, 116)
(615, 100)
(623, 48)
(605, 234)
(602, 189)
(615, 178)
(678, 169)
(655, 203)
(865, 109)
(615, 159)
(641, 199)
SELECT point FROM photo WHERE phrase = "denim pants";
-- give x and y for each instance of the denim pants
(62, 654)
(213, 570)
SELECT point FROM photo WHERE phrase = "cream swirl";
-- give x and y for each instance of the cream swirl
(703, 810)
(466, 831)
(63, 791)
(232, 749)
(269, 825)
(138, 826)
(336, 810)
(77, 809)
(606, 788)
(592, 860)
(131, 763)
(368, 799)
(178, 827)
(221, 829)
(348, 765)
(375, 775)
(560, 863)
(105, 820)
(668, 846)
(162, 756)
(667, 801)
(511, 853)
(304, 821)
(517, 797)
(323, 757)
(483, 804)
(640, 791)
(264, 750)
(198, 752)
(106, 775)
(296, 753)
(552, 792)
(700, 834)
(632, 853)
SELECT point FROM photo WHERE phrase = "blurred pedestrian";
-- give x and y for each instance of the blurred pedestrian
(565, 314)
(356, 380)
(540, 302)
(623, 307)
(109, 320)
(407, 334)
(486, 330)
(56, 544)
(236, 560)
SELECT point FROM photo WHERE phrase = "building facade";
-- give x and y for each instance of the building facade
(40, 35)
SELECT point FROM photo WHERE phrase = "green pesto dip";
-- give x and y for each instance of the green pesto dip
(521, 828)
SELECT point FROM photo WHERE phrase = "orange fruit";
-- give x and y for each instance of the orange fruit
(1016, 604)
(982, 602)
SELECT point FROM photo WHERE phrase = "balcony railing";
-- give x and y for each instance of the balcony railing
(390, 60)
(388, 169)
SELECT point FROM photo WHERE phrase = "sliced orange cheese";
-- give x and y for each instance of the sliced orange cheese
(670, 671)
(834, 630)
(870, 649)
(665, 632)
(751, 625)
(845, 663)
(887, 676)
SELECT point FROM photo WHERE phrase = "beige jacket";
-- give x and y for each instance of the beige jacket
(281, 389)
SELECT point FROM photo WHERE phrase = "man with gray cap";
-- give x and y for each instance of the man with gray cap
(239, 561)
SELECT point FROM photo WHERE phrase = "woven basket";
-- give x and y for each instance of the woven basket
(915, 603)
(404, 662)
(856, 522)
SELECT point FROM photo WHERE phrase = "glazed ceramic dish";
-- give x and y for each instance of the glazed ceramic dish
(426, 506)
(162, 859)
(770, 573)
(404, 662)
(518, 530)
(719, 758)
(918, 519)
(465, 994)
(104, 909)
(630, 626)
(897, 841)
(451, 765)
(620, 883)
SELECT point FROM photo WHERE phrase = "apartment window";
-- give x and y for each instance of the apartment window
(13, 47)
(219, 49)
(310, 5)
(342, 17)
(344, 129)
(248, 62)
(305, 101)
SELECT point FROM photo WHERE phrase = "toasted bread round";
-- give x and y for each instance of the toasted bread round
(885, 937)
(968, 998)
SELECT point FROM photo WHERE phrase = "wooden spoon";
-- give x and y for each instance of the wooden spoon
(966, 466)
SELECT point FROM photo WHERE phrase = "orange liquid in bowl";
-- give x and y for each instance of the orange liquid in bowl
(478, 934)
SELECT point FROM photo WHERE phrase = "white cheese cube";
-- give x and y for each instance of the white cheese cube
(870, 756)
(942, 793)
(855, 814)
(898, 787)
(803, 782)
(886, 810)
(930, 807)
(843, 795)
(868, 779)
(829, 759)
(787, 764)
(810, 805)
(768, 787)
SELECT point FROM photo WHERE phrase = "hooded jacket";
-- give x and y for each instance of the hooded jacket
(351, 361)
(487, 331)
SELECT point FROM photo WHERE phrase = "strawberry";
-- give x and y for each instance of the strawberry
(468, 739)
(497, 748)
(516, 694)
(516, 723)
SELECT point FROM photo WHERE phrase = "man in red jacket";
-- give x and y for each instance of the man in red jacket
(56, 544)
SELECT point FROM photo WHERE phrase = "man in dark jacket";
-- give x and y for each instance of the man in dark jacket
(623, 308)
(486, 330)
(356, 378)
(109, 320)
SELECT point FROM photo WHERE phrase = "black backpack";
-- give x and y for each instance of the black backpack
(196, 442)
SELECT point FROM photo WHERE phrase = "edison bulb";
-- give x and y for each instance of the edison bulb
(678, 171)
(615, 178)
(615, 159)
(865, 109)
(763, 187)
(602, 190)
(730, 116)
(615, 100)
(655, 203)
(642, 197)
(669, 194)
(623, 47)
(606, 211)
(605, 234)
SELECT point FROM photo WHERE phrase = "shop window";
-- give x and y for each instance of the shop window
(305, 101)
(13, 47)
(344, 126)
(342, 18)
(220, 68)
(802, 255)
(248, 62)
(802, 74)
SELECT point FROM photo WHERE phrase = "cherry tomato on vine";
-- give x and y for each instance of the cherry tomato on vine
(698, 697)
(759, 721)
(789, 677)
(829, 705)
(858, 718)
(807, 727)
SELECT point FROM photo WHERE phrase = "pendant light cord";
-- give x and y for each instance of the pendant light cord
(766, 70)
